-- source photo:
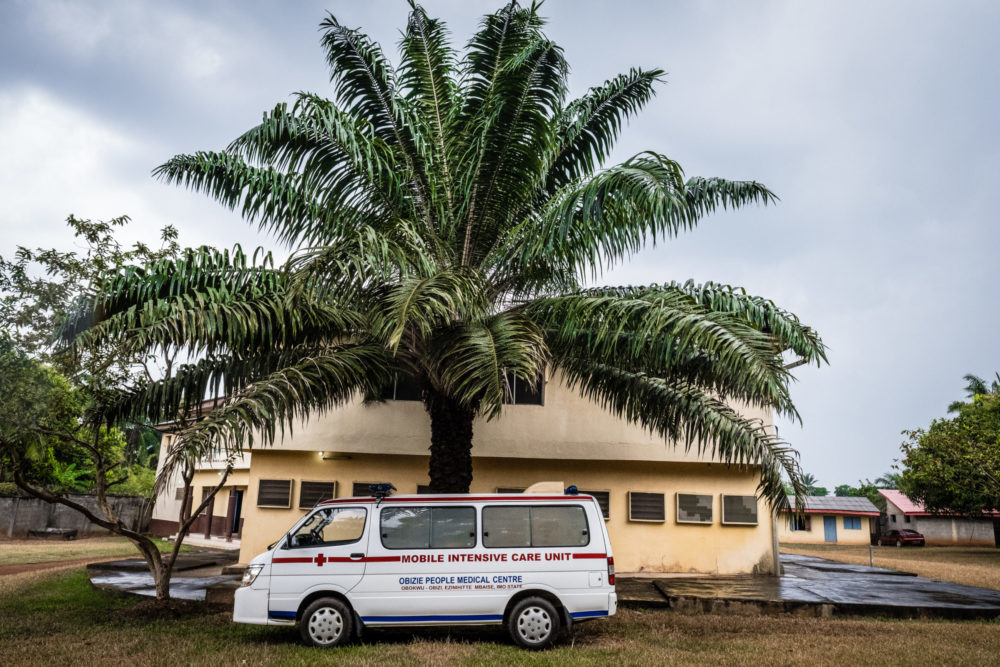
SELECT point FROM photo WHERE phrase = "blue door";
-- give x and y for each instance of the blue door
(830, 528)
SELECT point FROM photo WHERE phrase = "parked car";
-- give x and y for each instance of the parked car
(902, 538)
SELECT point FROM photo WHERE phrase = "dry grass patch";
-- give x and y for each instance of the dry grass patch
(59, 619)
(972, 566)
(48, 551)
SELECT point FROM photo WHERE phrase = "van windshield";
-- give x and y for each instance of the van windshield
(340, 525)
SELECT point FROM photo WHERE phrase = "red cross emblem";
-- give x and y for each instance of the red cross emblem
(320, 559)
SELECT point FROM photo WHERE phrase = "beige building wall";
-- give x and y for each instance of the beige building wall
(816, 533)
(638, 546)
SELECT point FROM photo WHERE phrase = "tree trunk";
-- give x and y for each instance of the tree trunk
(451, 444)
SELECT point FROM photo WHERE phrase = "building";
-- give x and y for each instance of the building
(667, 509)
(938, 529)
(830, 520)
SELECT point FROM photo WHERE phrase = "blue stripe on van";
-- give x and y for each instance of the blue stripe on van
(281, 614)
(588, 614)
(420, 619)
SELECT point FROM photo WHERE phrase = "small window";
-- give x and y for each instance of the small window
(892, 517)
(906, 519)
(510, 489)
(800, 523)
(603, 499)
(694, 508)
(646, 506)
(274, 493)
(205, 492)
(739, 510)
(428, 527)
(362, 489)
(179, 493)
(403, 388)
(535, 526)
(311, 493)
(852, 523)
(339, 525)
(520, 392)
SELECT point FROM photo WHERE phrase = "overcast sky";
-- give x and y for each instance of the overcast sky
(875, 122)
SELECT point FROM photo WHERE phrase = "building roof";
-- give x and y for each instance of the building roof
(912, 508)
(837, 505)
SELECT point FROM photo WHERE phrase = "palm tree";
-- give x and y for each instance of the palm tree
(444, 215)
(976, 386)
(889, 480)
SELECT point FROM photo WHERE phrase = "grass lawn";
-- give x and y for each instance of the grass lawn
(47, 551)
(973, 566)
(58, 618)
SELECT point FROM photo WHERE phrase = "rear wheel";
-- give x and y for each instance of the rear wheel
(880, 542)
(326, 622)
(533, 623)
(899, 543)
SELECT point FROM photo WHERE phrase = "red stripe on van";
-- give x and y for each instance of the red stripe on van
(382, 559)
(291, 560)
(590, 555)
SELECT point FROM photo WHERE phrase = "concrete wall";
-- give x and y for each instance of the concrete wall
(638, 546)
(19, 515)
(943, 530)
(817, 535)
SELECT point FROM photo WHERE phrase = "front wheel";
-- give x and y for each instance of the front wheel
(533, 623)
(880, 541)
(899, 543)
(326, 622)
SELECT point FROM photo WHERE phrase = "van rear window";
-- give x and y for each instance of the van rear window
(535, 526)
(428, 527)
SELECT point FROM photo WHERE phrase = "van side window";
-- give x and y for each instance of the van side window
(535, 526)
(341, 525)
(428, 527)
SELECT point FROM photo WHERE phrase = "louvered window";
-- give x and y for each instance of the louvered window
(603, 499)
(274, 493)
(311, 493)
(694, 508)
(646, 506)
(739, 510)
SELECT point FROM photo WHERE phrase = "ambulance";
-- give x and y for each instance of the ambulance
(535, 562)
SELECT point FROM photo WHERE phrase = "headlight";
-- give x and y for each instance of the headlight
(250, 574)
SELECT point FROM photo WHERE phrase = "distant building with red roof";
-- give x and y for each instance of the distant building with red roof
(902, 512)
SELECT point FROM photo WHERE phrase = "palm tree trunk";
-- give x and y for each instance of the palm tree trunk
(451, 444)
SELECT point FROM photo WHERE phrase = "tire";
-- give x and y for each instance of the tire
(899, 543)
(534, 623)
(880, 541)
(326, 623)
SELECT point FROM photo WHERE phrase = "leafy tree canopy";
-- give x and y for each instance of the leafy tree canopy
(954, 465)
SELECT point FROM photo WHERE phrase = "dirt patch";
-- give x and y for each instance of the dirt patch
(169, 610)
(19, 568)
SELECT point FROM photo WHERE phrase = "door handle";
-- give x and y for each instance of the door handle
(357, 556)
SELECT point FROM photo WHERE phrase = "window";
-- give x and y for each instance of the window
(852, 523)
(364, 488)
(906, 519)
(205, 492)
(403, 388)
(428, 527)
(694, 508)
(646, 506)
(892, 517)
(510, 489)
(604, 500)
(274, 493)
(739, 510)
(519, 392)
(311, 493)
(336, 525)
(535, 526)
(179, 493)
(800, 523)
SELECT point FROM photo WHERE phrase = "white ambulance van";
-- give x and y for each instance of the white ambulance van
(535, 563)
